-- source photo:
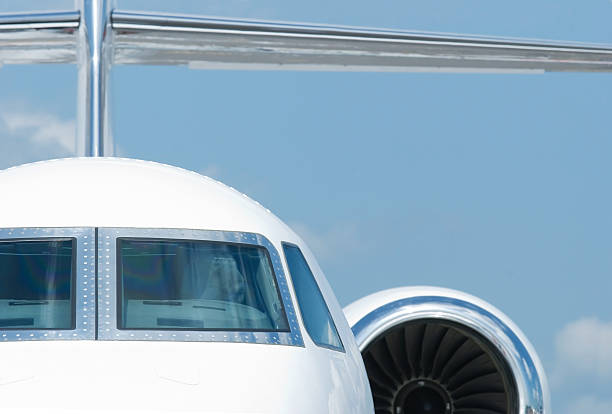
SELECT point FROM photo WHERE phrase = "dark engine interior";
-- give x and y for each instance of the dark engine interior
(438, 367)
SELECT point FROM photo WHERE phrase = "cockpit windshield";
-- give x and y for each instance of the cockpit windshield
(197, 285)
(36, 284)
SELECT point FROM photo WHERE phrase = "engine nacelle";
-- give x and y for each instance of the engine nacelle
(440, 351)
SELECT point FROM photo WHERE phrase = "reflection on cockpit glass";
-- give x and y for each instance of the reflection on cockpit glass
(197, 285)
(36, 279)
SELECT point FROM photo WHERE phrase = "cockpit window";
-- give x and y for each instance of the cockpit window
(197, 285)
(315, 314)
(37, 284)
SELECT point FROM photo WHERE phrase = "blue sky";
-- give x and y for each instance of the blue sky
(492, 184)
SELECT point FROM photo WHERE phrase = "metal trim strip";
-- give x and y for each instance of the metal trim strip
(85, 284)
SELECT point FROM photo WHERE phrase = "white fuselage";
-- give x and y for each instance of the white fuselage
(165, 376)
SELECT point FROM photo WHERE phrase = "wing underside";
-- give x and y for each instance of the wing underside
(39, 38)
(240, 44)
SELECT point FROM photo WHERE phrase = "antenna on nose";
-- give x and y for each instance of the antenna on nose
(93, 123)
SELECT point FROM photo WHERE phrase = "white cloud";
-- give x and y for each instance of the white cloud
(336, 241)
(33, 135)
(43, 128)
(584, 348)
(589, 405)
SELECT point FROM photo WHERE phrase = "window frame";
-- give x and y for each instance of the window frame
(341, 349)
(108, 283)
(83, 283)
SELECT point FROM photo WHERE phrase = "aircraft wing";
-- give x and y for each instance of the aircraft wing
(201, 42)
(240, 44)
(96, 37)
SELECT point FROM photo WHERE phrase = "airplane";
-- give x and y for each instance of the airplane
(133, 286)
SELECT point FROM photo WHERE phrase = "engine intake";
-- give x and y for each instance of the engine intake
(439, 351)
(433, 366)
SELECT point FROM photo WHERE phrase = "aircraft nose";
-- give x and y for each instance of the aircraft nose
(160, 377)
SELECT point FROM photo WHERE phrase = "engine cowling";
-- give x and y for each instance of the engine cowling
(431, 350)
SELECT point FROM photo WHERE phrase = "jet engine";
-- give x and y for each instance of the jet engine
(438, 351)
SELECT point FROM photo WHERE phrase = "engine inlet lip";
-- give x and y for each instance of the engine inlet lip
(414, 386)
